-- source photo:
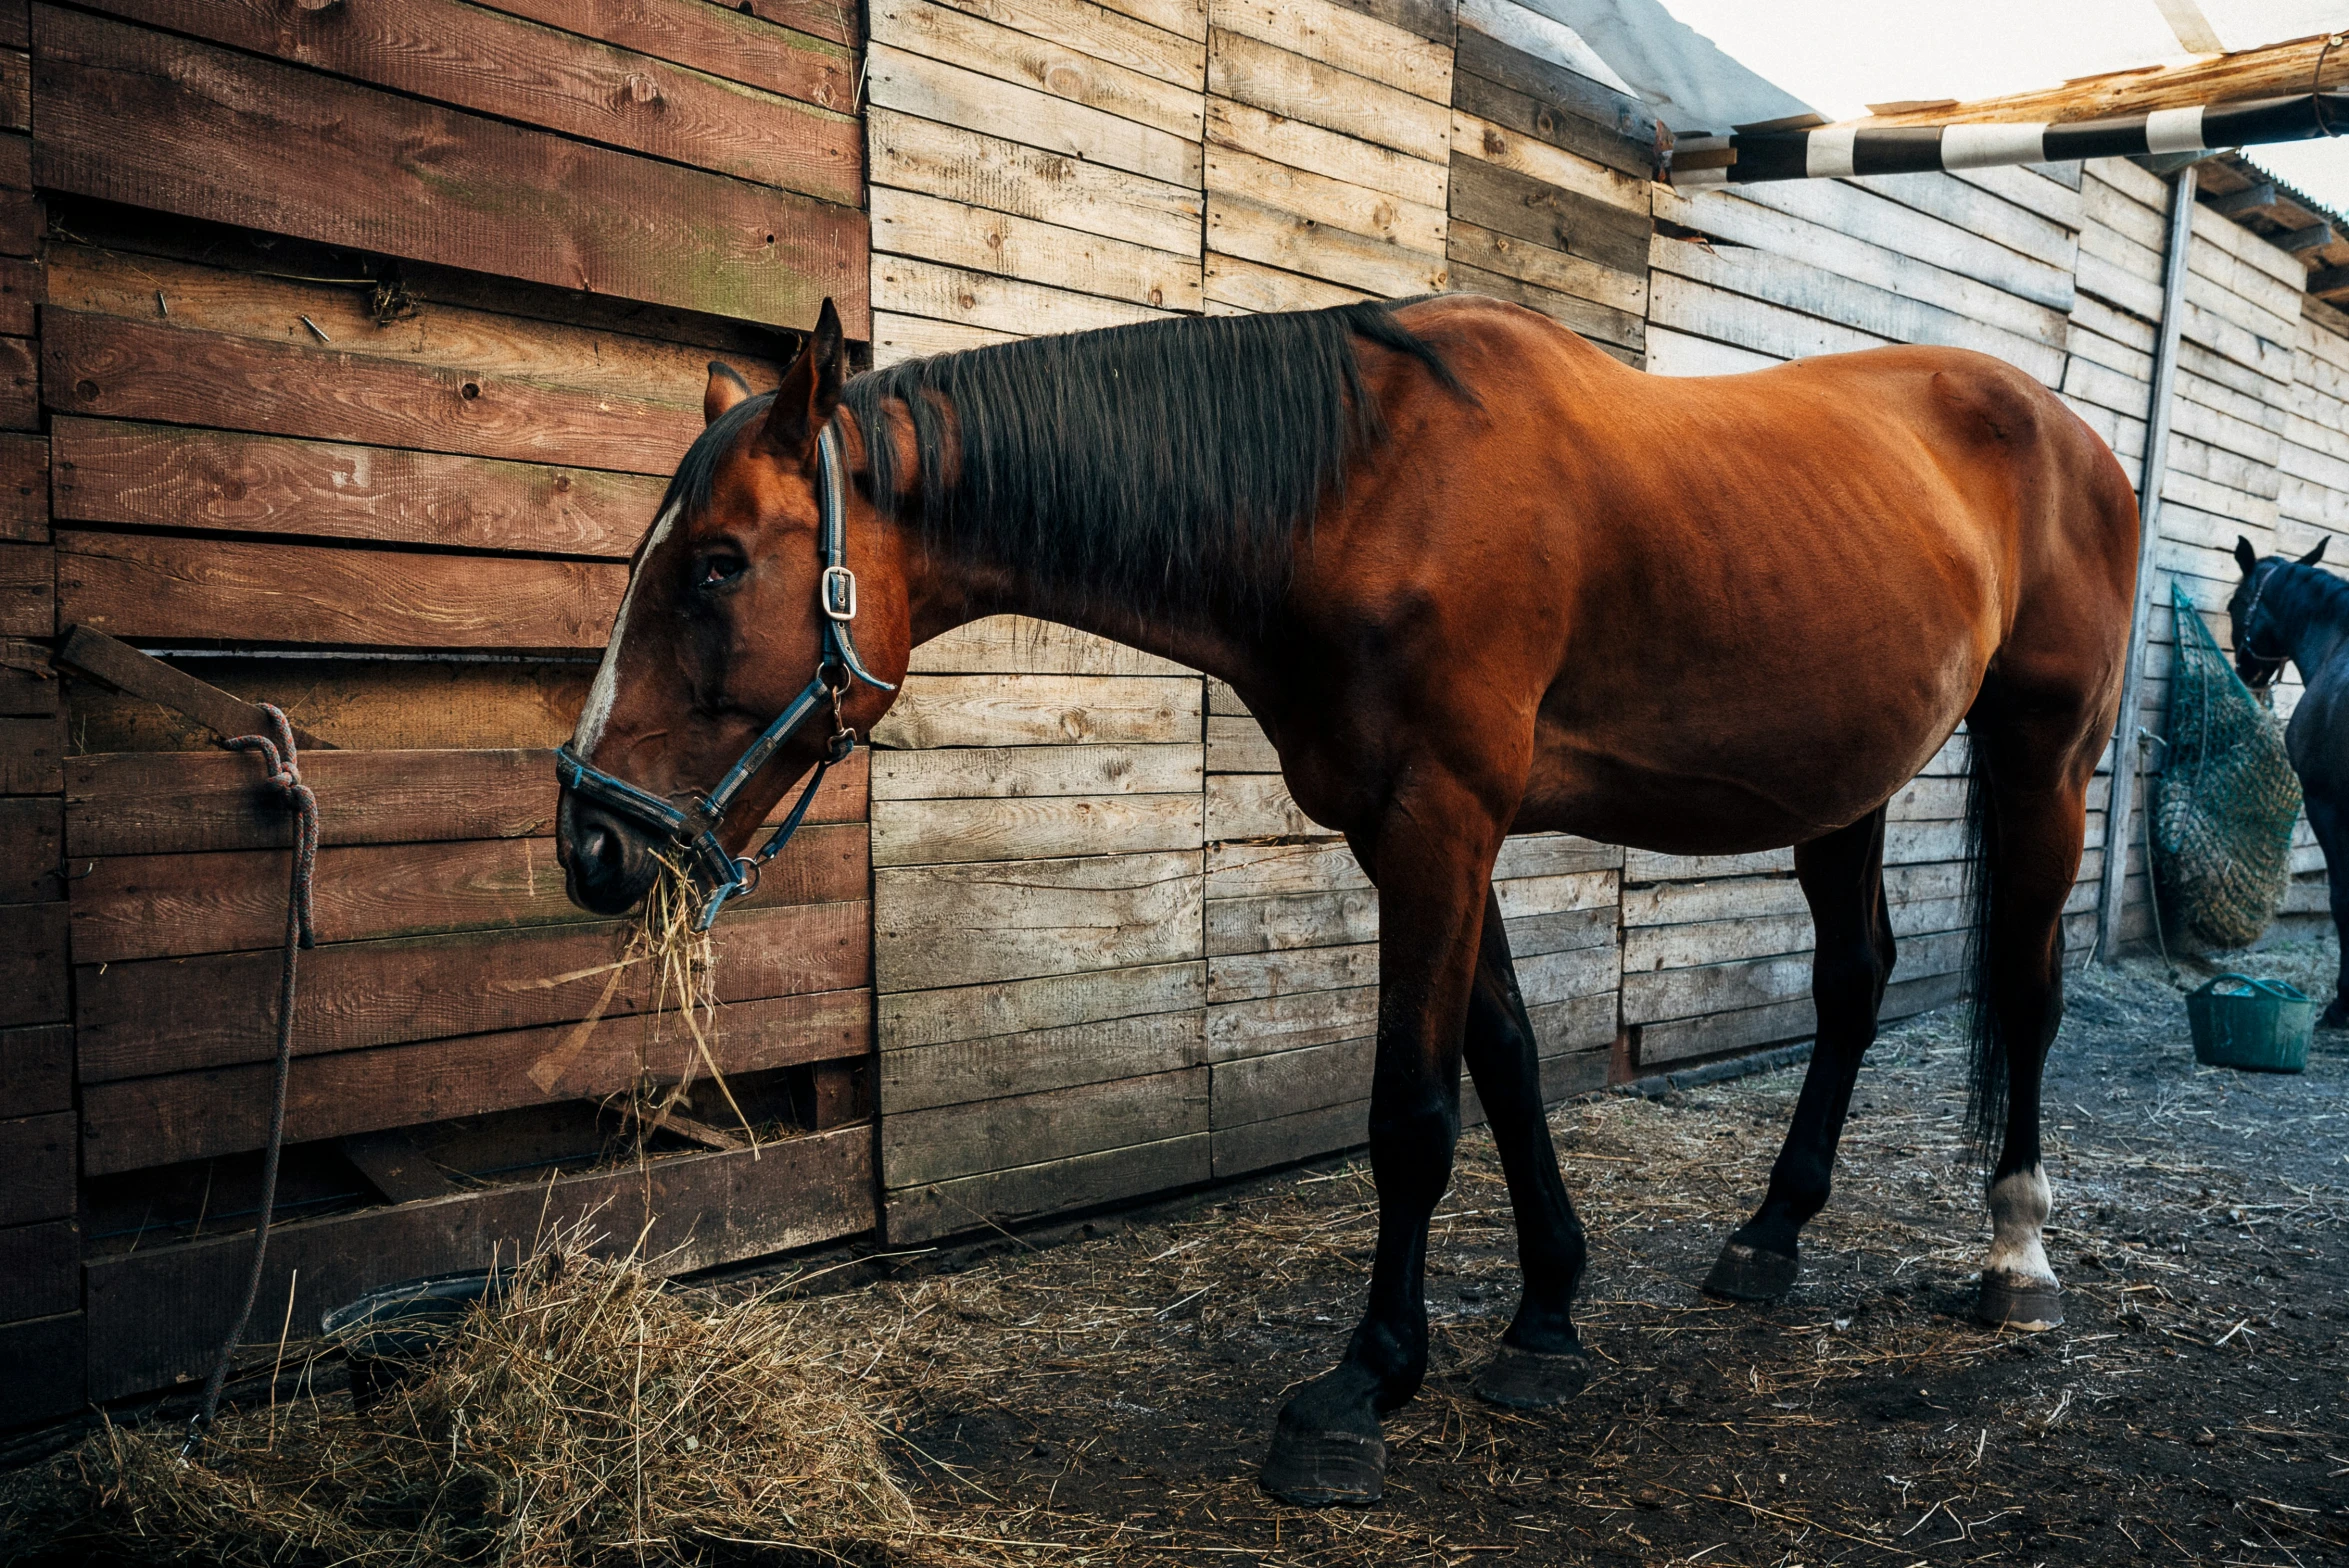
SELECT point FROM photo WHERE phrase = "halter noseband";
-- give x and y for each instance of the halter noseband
(693, 830)
(2275, 667)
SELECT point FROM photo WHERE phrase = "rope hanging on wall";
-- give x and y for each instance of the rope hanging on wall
(2222, 825)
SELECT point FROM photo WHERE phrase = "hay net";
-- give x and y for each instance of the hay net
(2222, 821)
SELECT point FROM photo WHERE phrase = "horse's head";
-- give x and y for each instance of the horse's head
(731, 622)
(2251, 616)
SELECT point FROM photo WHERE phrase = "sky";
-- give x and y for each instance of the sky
(1842, 55)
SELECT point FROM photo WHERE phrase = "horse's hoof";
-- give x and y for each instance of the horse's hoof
(1519, 1379)
(1319, 1469)
(2011, 1301)
(1744, 1273)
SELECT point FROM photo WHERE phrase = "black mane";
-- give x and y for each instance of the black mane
(1166, 461)
(2302, 594)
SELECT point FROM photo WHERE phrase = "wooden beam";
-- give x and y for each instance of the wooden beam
(2326, 282)
(126, 669)
(2252, 198)
(395, 1167)
(2297, 240)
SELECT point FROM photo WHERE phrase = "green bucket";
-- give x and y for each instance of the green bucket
(2262, 1025)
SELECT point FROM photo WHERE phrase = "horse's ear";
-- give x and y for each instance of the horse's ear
(2245, 556)
(2317, 554)
(726, 389)
(810, 390)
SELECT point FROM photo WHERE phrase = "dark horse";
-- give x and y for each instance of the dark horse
(1476, 578)
(2290, 611)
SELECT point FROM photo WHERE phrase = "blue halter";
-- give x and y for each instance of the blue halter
(693, 829)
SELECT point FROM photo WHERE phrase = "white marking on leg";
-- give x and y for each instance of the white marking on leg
(2018, 1210)
(598, 711)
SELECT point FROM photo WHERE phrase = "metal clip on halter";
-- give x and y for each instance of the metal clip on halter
(694, 831)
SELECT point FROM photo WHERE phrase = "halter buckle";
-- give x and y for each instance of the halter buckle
(836, 592)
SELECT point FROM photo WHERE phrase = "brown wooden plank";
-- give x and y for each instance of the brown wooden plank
(16, 26)
(1024, 1192)
(739, 42)
(32, 748)
(20, 392)
(47, 1356)
(923, 1147)
(394, 1166)
(155, 906)
(1540, 113)
(36, 1068)
(160, 476)
(137, 1123)
(1507, 202)
(150, 370)
(116, 664)
(1430, 19)
(28, 591)
(181, 1014)
(158, 1314)
(1624, 125)
(40, 1269)
(21, 291)
(16, 90)
(20, 211)
(147, 803)
(37, 1152)
(156, 587)
(473, 58)
(133, 116)
(28, 690)
(32, 965)
(32, 841)
(24, 488)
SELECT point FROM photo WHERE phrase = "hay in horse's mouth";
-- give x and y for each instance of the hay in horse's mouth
(591, 1415)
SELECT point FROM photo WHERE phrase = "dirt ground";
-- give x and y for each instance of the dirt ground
(1106, 1397)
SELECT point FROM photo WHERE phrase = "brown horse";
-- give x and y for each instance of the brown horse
(1475, 578)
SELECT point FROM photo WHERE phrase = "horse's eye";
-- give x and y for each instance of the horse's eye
(718, 569)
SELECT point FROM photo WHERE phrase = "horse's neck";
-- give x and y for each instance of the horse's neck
(2314, 622)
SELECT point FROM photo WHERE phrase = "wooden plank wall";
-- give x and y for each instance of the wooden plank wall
(361, 367)
(1112, 955)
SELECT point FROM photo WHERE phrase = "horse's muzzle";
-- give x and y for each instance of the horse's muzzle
(607, 862)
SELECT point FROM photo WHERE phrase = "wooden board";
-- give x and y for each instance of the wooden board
(969, 1071)
(470, 57)
(1271, 78)
(136, 1123)
(914, 1019)
(32, 964)
(960, 925)
(738, 43)
(912, 224)
(1302, 145)
(38, 1154)
(999, 710)
(24, 488)
(1049, 186)
(919, 1148)
(40, 1270)
(156, 587)
(934, 90)
(138, 117)
(32, 848)
(996, 828)
(1347, 38)
(157, 1314)
(905, 285)
(185, 1014)
(49, 1352)
(1534, 98)
(1011, 772)
(156, 476)
(1330, 203)
(1502, 200)
(36, 1068)
(1161, 92)
(1006, 1197)
(1237, 226)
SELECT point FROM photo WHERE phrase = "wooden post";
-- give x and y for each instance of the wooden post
(2122, 802)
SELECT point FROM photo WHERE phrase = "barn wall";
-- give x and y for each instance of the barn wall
(366, 339)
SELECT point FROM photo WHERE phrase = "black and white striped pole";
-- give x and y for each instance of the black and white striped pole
(1839, 151)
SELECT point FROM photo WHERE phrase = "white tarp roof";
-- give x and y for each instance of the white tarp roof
(1693, 87)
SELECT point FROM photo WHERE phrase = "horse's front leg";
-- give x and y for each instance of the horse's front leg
(1431, 857)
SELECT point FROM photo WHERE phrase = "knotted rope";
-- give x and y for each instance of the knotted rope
(285, 771)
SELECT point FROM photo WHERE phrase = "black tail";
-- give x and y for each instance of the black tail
(1986, 1084)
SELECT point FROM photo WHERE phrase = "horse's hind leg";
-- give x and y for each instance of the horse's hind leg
(2331, 825)
(1842, 876)
(1540, 1361)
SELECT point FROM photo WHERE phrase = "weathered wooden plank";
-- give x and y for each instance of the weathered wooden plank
(1285, 921)
(1242, 870)
(1007, 1197)
(154, 906)
(940, 1144)
(20, 212)
(50, 1353)
(1507, 202)
(1240, 977)
(1346, 39)
(32, 963)
(1474, 137)
(1038, 1060)
(1246, 128)
(1274, 79)
(1236, 285)
(911, 224)
(740, 43)
(904, 285)
(1624, 295)
(1012, 772)
(1257, 1026)
(1101, 33)
(913, 1019)
(471, 57)
(897, 338)
(148, 803)
(1332, 203)
(32, 847)
(141, 118)
(1622, 332)
(28, 591)
(998, 710)
(1256, 805)
(184, 1014)
(966, 38)
(156, 586)
(40, 1269)
(1553, 855)
(1023, 645)
(153, 371)
(1257, 1088)
(1714, 1034)
(1568, 974)
(932, 832)
(24, 488)
(1558, 894)
(32, 748)
(137, 1123)
(158, 476)
(38, 1154)
(1703, 311)
(935, 90)
(1300, 1135)
(1536, 98)
(1239, 745)
(959, 925)
(1254, 232)
(1688, 993)
(1051, 187)
(19, 385)
(1563, 931)
(1679, 354)
(157, 1315)
(36, 1068)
